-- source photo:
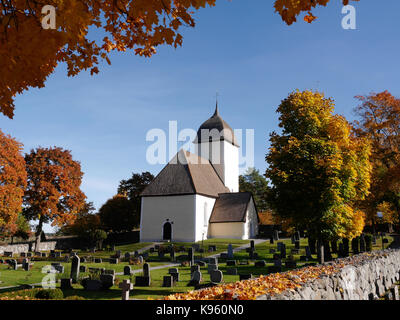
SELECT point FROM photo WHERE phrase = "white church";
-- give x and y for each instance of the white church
(196, 196)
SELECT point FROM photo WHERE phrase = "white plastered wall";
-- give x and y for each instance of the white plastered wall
(204, 206)
(178, 209)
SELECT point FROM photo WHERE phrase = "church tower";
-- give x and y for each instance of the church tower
(216, 142)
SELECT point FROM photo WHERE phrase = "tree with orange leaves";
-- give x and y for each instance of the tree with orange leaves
(380, 123)
(53, 193)
(29, 53)
(12, 183)
(290, 10)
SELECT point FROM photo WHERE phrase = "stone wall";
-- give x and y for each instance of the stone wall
(365, 277)
(25, 247)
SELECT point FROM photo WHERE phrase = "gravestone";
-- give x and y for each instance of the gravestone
(44, 254)
(82, 269)
(136, 253)
(146, 270)
(297, 245)
(127, 255)
(140, 259)
(216, 276)
(191, 256)
(290, 264)
(168, 281)
(260, 263)
(292, 239)
(22, 254)
(230, 251)
(93, 285)
(243, 262)
(223, 255)
(175, 275)
(279, 246)
(245, 276)
(213, 260)
(107, 280)
(274, 269)
(118, 254)
(212, 267)
(98, 260)
(276, 235)
(195, 279)
(141, 281)
(114, 261)
(231, 271)
(278, 263)
(283, 251)
(83, 260)
(126, 286)
(194, 268)
(297, 236)
(271, 240)
(127, 271)
(66, 284)
(75, 264)
(231, 263)
(25, 264)
(252, 244)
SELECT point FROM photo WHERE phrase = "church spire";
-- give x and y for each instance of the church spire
(216, 113)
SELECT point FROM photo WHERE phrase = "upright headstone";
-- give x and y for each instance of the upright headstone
(216, 276)
(126, 286)
(146, 270)
(25, 264)
(283, 251)
(297, 244)
(276, 234)
(230, 251)
(168, 281)
(127, 271)
(297, 236)
(271, 240)
(75, 264)
(196, 278)
(292, 239)
(191, 256)
(252, 244)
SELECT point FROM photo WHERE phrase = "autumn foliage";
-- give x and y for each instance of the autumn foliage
(29, 53)
(318, 169)
(379, 122)
(12, 183)
(291, 9)
(53, 193)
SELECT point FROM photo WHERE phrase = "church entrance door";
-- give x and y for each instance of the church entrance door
(167, 231)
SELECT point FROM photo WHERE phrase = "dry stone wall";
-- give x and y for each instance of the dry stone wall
(18, 248)
(365, 277)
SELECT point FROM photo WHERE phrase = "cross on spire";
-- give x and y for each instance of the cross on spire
(216, 104)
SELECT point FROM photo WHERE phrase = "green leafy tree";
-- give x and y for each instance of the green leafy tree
(23, 229)
(132, 188)
(252, 181)
(317, 168)
(117, 214)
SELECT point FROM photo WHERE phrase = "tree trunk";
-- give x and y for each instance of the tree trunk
(38, 234)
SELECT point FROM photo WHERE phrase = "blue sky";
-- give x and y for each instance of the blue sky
(243, 50)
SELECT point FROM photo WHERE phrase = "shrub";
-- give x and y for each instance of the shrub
(52, 294)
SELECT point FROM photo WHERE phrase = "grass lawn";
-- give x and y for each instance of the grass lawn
(11, 277)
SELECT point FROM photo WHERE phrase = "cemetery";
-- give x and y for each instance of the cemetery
(153, 271)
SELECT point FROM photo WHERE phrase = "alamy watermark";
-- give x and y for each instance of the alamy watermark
(207, 144)
(349, 21)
